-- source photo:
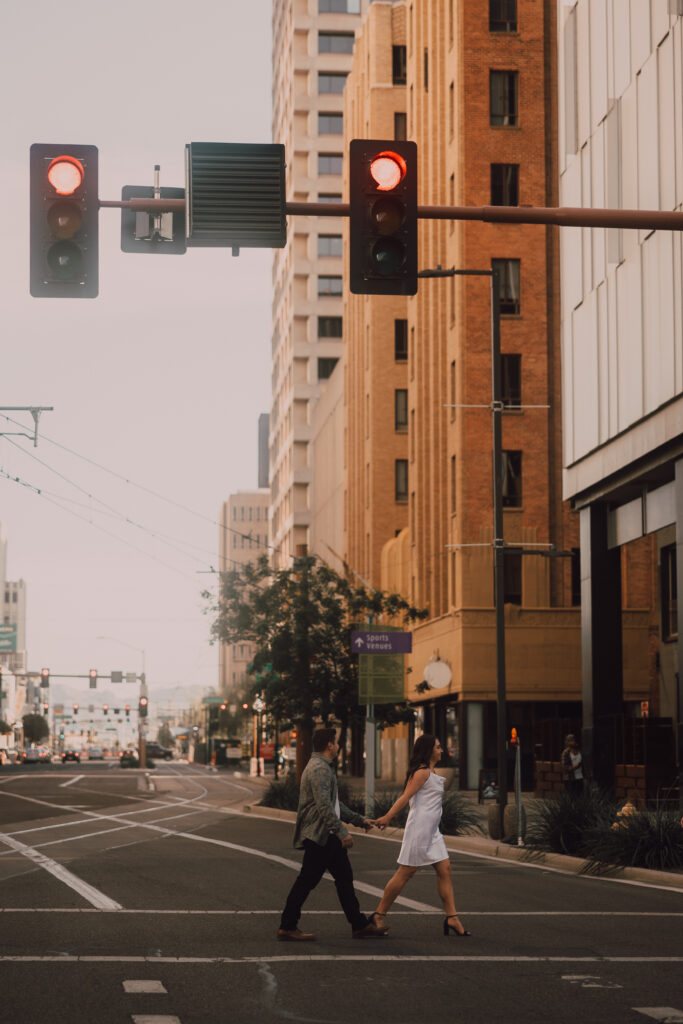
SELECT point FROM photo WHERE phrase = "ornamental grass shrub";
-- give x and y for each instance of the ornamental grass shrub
(650, 839)
(459, 816)
(565, 822)
(282, 793)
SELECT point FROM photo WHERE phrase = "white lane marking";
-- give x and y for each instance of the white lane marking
(294, 865)
(70, 782)
(154, 1018)
(140, 985)
(339, 913)
(589, 981)
(344, 957)
(88, 892)
(665, 1014)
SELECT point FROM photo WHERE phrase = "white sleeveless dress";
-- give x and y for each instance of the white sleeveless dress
(422, 841)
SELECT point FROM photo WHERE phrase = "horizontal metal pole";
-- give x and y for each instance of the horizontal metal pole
(562, 216)
(144, 204)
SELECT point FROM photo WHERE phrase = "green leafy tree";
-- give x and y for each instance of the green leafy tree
(36, 728)
(5, 728)
(300, 621)
(164, 735)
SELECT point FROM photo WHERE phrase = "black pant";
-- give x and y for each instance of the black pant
(331, 857)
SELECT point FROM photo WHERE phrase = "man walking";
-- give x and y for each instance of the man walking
(320, 832)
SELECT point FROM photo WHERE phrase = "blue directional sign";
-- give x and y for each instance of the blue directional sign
(377, 641)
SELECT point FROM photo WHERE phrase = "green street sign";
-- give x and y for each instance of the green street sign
(381, 678)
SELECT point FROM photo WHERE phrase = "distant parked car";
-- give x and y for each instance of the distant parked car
(155, 750)
(70, 755)
(96, 754)
(32, 755)
(44, 755)
(129, 758)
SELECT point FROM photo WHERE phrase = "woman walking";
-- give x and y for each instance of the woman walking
(422, 842)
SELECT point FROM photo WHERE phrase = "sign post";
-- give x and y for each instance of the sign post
(381, 675)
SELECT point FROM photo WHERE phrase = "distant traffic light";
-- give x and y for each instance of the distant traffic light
(93, 678)
(383, 217)
(105, 708)
(44, 677)
(64, 221)
(142, 707)
(46, 708)
(127, 710)
(75, 709)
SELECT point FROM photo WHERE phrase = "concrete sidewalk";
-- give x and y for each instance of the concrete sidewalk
(485, 847)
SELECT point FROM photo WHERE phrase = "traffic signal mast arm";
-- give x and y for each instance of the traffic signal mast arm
(562, 216)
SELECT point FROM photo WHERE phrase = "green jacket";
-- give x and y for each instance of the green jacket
(316, 817)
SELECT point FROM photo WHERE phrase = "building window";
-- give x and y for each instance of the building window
(329, 327)
(452, 381)
(329, 197)
(453, 481)
(331, 81)
(335, 42)
(330, 124)
(504, 97)
(401, 409)
(339, 6)
(512, 577)
(400, 340)
(512, 479)
(330, 163)
(508, 276)
(400, 125)
(511, 381)
(330, 285)
(398, 65)
(401, 480)
(502, 15)
(504, 184)
(325, 367)
(329, 245)
(669, 589)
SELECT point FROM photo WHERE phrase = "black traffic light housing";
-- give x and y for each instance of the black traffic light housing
(142, 707)
(64, 221)
(93, 678)
(44, 677)
(383, 217)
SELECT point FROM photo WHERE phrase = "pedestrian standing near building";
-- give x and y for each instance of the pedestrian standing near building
(422, 841)
(320, 832)
(572, 766)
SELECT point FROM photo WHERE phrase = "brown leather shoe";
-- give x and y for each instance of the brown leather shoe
(294, 935)
(370, 931)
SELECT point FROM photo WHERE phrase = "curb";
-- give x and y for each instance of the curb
(494, 849)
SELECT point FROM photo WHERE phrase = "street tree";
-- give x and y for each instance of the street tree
(300, 621)
(36, 728)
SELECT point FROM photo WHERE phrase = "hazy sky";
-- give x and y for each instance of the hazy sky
(159, 380)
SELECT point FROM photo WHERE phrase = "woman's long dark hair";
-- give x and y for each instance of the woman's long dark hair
(422, 751)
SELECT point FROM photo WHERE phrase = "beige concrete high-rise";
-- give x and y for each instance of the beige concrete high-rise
(243, 538)
(312, 53)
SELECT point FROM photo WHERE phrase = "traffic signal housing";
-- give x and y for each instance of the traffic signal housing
(44, 677)
(64, 221)
(383, 217)
(93, 678)
(142, 707)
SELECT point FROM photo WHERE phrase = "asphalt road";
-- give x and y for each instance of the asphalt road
(158, 906)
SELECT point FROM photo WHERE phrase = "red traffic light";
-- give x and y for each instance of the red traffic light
(65, 174)
(64, 221)
(382, 217)
(75, 708)
(388, 170)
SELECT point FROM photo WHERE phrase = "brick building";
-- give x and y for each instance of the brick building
(480, 101)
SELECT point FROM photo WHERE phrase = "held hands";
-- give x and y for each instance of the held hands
(381, 823)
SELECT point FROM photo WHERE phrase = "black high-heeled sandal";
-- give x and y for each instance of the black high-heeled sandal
(448, 928)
